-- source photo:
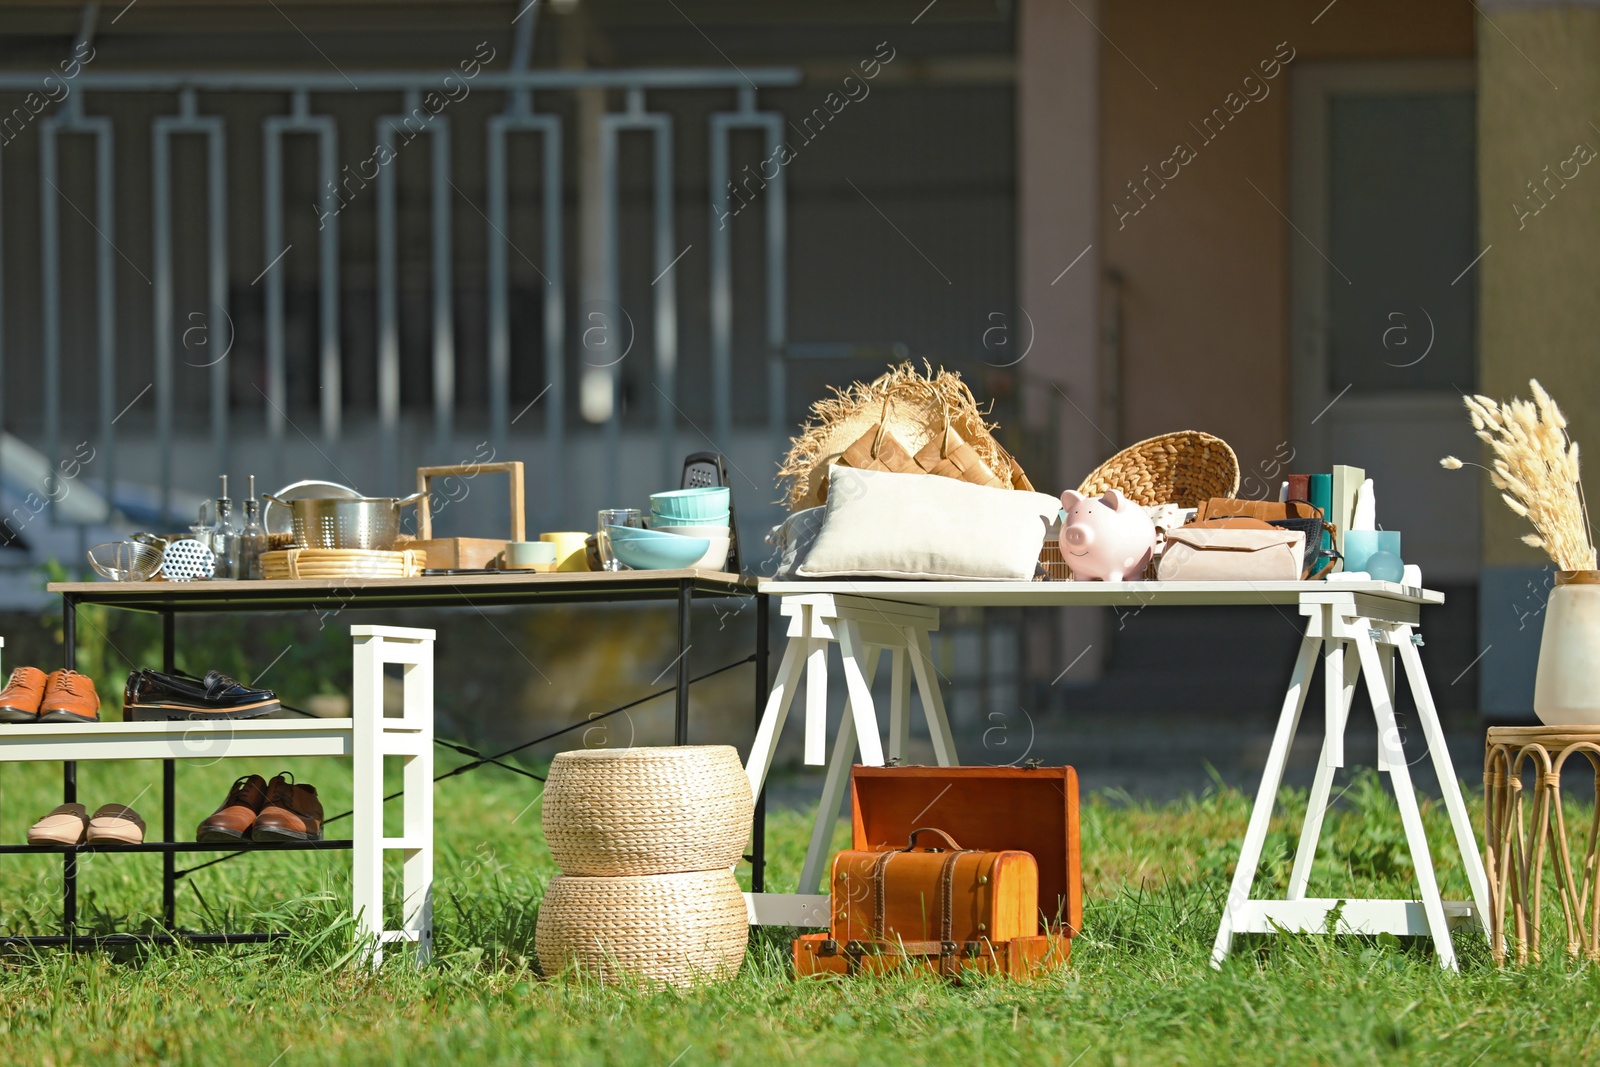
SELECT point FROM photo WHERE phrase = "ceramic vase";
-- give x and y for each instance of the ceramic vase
(1566, 691)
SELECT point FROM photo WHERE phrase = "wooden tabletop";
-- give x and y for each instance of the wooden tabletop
(439, 590)
(947, 594)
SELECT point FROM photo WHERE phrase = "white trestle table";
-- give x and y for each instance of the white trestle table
(1355, 628)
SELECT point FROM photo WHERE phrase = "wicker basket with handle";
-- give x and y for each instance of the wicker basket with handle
(675, 928)
(636, 811)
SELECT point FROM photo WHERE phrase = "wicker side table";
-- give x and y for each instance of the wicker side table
(1516, 845)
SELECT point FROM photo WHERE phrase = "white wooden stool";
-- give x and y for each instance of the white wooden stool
(409, 736)
(864, 630)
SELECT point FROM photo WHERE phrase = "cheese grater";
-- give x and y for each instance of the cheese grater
(705, 469)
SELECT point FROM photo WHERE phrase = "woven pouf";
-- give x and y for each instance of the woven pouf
(673, 928)
(633, 811)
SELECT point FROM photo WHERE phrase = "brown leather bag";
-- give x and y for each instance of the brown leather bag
(1299, 515)
(932, 901)
(1227, 507)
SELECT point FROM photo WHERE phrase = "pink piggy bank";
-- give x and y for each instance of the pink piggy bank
(1106, 538)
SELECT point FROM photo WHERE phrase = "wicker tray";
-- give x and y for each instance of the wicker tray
(340, 563)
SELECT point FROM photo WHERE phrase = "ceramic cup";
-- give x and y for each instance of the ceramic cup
(530, 555)
(1359, 545)
(571, 553)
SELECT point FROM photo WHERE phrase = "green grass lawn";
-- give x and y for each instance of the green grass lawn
(1139, 990)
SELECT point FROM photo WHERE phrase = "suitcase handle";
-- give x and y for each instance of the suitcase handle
(912, 844)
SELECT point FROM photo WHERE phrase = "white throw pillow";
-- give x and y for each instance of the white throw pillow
(885, 525)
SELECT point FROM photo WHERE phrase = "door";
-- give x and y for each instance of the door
(1383, 173)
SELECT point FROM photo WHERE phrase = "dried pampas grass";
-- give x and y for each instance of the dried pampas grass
(1536, 471)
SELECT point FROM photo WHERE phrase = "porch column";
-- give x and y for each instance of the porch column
(1539, 292)
(1058, 270)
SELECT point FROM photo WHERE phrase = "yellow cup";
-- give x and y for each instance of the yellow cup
(571, 551)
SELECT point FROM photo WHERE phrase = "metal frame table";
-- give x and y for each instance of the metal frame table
(170, 599)
(1355, 628)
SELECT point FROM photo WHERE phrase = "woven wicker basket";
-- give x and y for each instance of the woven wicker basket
(341, 563)
(675, 928)
(1187, 468)
(630, 811)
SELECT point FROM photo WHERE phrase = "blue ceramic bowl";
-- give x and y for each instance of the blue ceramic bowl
(651, 550)
(691, 507)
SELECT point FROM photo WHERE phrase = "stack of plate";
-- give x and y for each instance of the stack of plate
(340, 563)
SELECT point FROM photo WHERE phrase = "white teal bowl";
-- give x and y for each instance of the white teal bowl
(652, 550)
(692, 506)
(710, 530)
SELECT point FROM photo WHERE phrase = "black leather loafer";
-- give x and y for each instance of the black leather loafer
(154, 695)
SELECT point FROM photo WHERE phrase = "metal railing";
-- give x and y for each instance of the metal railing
(561, 347)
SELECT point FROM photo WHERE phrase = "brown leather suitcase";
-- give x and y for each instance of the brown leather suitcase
(934, 892)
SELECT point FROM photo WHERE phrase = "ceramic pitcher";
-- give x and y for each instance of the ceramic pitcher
(1567, 689)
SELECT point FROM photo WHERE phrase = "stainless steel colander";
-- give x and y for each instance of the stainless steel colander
(360, 523)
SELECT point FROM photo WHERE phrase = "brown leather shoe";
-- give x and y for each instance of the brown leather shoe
(19, 700)
(234, 820)
(69, 697)
(293, 812)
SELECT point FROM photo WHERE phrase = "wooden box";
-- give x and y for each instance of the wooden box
(464, 553)
(1021, 957)
(995, 809)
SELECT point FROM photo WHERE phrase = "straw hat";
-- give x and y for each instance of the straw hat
(931, 418)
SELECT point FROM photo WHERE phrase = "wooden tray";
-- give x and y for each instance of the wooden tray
(1020, 957)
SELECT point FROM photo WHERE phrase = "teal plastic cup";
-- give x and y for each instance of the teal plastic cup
(1359, 545)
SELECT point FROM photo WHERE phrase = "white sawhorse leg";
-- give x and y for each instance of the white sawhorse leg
(409, 736)
(1352, 644)
(844, 747)
(864, 630)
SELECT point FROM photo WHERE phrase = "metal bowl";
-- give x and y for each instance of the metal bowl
(368, 523)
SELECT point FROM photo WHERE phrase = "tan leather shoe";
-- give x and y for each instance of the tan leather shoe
(234, 820)
(69, 697)
(115, 824)
(293, 812)
(19, 700)
(65, 825)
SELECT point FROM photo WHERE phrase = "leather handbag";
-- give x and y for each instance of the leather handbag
(1232, 550)
(1290, 514)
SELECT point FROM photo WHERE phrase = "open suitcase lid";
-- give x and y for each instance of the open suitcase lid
(1033, 809)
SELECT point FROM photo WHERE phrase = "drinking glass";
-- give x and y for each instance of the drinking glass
(615, 517)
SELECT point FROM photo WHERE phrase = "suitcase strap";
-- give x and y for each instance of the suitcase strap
(947, 875)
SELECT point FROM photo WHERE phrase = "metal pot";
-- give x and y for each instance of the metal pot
(360, 523)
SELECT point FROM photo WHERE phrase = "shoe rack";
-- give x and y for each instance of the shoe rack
(366, 737)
